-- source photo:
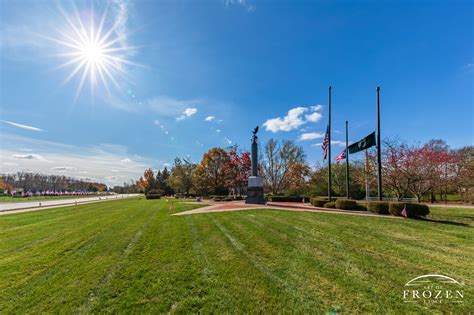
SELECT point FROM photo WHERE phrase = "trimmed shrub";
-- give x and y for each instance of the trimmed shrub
(228, 199)
(330, 205)
(346, 204)
(154, 194)
(361, 207)
(395, 208)
(380, 207)
(319, 201)
(413, 209)
(285, 198)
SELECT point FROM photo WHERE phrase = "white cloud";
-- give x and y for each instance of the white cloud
(170, 107)
(310, 136)
(292, 120)
(188, 112)
(26, 127)
(10, 164)
(120, 8)
(95, 161)
(227, 140)
(295, 118)
(314, 117)
(218, 130)
(157, 122)
(243, 3)
(210, 118)
(63, 168)
(30, 156)
(333, 142)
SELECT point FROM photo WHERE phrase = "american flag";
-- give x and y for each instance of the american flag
(325, 143)
(341, 156)
(404, 212)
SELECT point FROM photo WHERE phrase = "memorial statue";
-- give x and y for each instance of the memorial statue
(255, 183)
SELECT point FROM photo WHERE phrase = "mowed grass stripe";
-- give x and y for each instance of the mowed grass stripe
(133, 256)
(344, 261)
(169, 269)
(294, 261)
(82, 256)
(52, 220)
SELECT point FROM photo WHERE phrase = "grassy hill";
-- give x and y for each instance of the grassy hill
(132, 255)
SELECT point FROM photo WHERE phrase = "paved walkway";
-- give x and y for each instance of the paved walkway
(17, 207)
(288, 206)
(450, 205)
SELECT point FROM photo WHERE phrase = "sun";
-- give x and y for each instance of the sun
(94, 51)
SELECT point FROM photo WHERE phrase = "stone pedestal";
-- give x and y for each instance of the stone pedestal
(255, 191)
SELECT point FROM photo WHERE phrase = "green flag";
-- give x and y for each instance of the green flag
(363, 144)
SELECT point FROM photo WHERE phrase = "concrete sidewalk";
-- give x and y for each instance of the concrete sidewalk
(18, 207)
(288, 206)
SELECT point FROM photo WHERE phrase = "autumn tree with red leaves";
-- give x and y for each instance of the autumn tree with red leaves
(238, 169)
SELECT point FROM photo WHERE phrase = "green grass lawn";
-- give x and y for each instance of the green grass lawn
(35, 198)
(132, 255)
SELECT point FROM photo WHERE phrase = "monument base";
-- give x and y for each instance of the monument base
(255, 196)
(255, 191)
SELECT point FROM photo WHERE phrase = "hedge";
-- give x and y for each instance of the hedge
(346, 204)
(330, 205)
(380, 207)
(413, 209)
(218, 196)
(288, 198)
(319, 201)
(153, 196)
(361, 207)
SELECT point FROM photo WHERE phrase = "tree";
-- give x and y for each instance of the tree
(149, 180)
(210, 175)
(296, 180)
(181, 177)
(423, 170)
(396, 168)
(319, 179)
(238, 169)
(278, 160)
(4, 186)
(461, 172)
(35, 182)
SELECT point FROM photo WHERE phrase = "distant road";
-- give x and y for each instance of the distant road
(9, 206)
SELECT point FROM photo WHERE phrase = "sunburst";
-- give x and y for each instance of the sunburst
(93, 51)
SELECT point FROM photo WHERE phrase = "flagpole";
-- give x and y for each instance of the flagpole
(367, 187)
(347, 160)
(379, 147)
(329, 143)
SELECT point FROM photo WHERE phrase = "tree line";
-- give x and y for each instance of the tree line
(415, 170)
(36, 182)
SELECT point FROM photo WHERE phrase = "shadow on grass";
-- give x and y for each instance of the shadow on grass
(441, 221)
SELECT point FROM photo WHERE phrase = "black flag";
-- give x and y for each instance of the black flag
(363, 144)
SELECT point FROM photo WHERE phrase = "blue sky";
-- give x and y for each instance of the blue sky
(237, 63)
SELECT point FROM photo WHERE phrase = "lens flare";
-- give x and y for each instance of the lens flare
(94, 52)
